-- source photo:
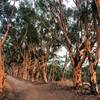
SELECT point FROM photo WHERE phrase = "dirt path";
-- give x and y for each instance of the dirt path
(37, 91)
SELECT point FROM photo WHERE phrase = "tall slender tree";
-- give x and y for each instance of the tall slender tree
(2, 41)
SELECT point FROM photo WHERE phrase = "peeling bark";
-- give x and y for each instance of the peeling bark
(1, 71)
(38, 70)
(44, 72)
(26, 65)
(92, 65)
(93, 83)
(42, 65)
(77, 72)
(98, 6)
(2, 59)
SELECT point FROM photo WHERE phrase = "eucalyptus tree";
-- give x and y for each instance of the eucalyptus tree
(96, 21)
(83, 48)
(97, 26)
(5, 29)
(33, 28)
(89, 18)
(49, 29)
(58, 11)
(38, 31)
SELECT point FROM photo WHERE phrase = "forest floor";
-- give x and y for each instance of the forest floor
(23, 90)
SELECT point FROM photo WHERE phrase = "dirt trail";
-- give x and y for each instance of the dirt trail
(38, 91)
(17, 84)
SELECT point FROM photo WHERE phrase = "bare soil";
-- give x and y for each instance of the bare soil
(16, 89)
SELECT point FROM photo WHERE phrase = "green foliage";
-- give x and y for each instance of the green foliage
(38, 26)
(73, 34)
(69, 74)
(68, 12)
(54, 72)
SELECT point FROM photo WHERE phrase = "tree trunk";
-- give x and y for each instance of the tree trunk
(98, 44)
(92, 65)
(20, 71)
(25, 65)
(63, 70)
(44, 72)
(33, 67)
(93, 83)
(44, 59)
(32, 76)
(42, 67)
(2, 60)
(77, 77)
(38, 70)
(1, 71)
(98, 6)
(97, 29)
(77, 72)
